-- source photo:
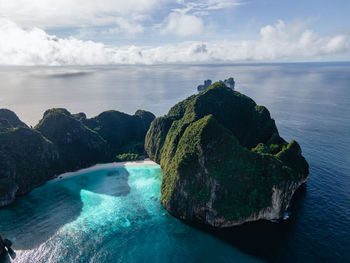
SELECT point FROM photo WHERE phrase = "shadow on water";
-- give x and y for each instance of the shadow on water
(7, 256)
(34, 218)
(263, 239)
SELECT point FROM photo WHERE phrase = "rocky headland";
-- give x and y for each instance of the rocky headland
(224, 162)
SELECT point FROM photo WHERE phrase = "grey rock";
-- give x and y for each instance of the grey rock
(7, 243)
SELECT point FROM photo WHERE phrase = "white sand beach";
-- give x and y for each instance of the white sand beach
(104, 165)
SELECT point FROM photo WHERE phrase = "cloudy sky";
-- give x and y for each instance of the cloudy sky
(87, 32)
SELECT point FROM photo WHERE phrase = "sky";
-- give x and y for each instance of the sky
(91, 32)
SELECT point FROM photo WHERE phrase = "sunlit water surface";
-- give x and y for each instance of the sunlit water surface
(113, 214)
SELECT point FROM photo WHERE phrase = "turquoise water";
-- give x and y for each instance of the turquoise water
(310, 103)
(109, 214)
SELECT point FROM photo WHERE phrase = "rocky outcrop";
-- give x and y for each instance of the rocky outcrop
(5, 245)
(63, 142)
(230, 83)
(206, 85)
(223, 160)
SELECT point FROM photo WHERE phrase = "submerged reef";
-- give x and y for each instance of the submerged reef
(223, 160)
(63, 142)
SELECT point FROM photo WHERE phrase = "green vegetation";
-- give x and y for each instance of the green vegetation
(220, 141)
(62, 142)
(11, 118)
(5, 125)
(27, 158)
(78, 145)
(126, 157)
(146, 117)
(123, 133)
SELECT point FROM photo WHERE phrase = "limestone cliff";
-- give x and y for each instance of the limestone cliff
(78, 145)
(223, 160)
(230, 83)
(63, 142)
(27, 160)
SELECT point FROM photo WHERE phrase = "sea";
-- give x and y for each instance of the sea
(113, 213)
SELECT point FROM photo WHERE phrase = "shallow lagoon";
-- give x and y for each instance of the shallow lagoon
(110, 214)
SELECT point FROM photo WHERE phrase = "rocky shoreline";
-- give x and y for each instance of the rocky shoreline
(5, 246)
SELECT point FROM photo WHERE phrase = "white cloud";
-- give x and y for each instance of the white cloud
(203, 5)
(117, 16)
(34, 46)
(123, 25)
(76, 13)
(68, 13)
(183, 25)
(187, 19)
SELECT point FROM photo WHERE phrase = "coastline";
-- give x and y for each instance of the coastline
(101, 166)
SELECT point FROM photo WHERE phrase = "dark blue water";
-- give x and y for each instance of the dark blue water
(113, 214)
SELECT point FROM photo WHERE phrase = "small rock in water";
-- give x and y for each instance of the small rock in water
(7, 243)
(286, 215)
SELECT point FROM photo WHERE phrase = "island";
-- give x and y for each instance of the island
(206, 85)
(223, 160)
(230, 83)
(63, 142)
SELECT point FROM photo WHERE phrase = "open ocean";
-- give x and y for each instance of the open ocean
(113, 214)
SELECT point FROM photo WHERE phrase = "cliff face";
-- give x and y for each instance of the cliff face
(123, 133)
(62, 142)
(8, 190)
(223, 160)
(78, 145)
(27, 160)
